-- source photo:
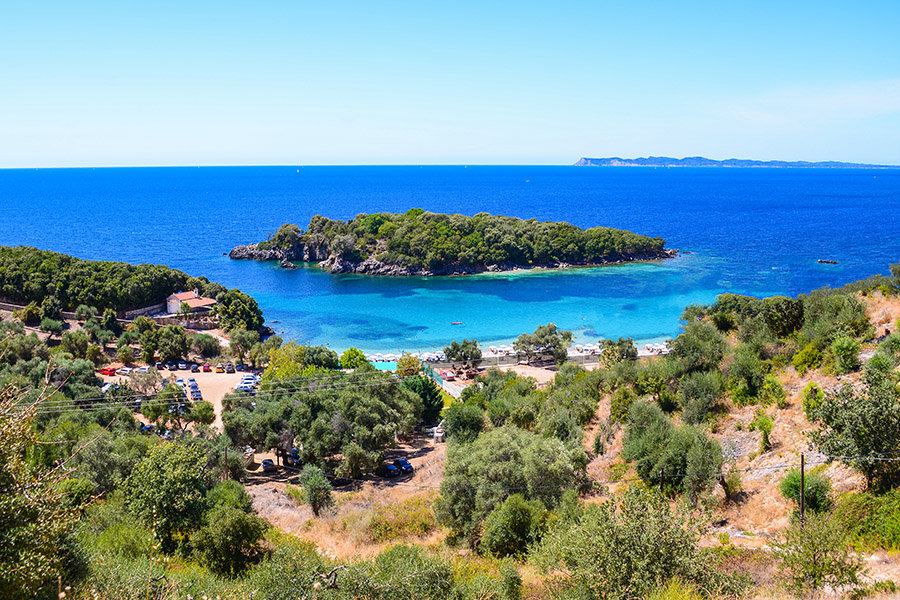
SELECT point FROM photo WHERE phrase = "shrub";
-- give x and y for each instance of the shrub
(746, 375)
(873, 520)
(812, 397)
(620, 402)
(626, 548)
(675, 589)
(815, 555)
(316, 489)
(230, 541)
(808, 358)
(764, 424)
(463, 422)
(773, 392)
(817, 490)
(700, 347)
(698, 394)
(230, 493)
(845, 351)
(513, 526)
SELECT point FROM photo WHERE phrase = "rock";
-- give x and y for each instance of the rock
(286, 264)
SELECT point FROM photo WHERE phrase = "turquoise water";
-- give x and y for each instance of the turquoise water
(385, 366)
(755, 231)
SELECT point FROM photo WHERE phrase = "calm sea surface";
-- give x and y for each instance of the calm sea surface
(754, 231)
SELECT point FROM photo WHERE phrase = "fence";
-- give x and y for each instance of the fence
(147, 310)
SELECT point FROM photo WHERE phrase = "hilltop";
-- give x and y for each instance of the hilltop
(699, 161)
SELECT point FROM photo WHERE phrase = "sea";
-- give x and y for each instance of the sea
(757, 231)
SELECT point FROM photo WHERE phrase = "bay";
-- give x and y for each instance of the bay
(754, 231)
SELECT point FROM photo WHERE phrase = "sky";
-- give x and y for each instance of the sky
(395, 82)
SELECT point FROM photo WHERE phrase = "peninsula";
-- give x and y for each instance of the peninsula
(699, 161)
(420, 243)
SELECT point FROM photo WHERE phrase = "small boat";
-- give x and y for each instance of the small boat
(456, 322)
(828, 262)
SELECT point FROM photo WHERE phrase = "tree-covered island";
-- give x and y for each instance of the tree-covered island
(424, 244)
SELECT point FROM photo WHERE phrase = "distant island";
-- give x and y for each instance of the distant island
(420, 243)
(699, 161)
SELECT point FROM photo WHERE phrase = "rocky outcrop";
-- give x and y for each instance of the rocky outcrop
(309, 253)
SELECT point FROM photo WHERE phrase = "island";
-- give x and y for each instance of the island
(420, 243)
(699, 161)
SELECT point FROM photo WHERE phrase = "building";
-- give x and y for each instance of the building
(196, 302)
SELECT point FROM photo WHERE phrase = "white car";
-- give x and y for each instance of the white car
(123, 371)
(142, 369)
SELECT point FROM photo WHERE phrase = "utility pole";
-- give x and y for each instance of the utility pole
(802, 488)
(662, 473)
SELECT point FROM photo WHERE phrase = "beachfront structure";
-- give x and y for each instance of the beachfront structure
(193, 299)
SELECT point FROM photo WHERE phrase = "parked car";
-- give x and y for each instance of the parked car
(171, 366)
(147, 428)
(229, 368)
(160, 366)
(206, 368)
(195, 368)
(293, 459)
(142, 369)
(243, 388)
(403, 465)
(182, 365)
(220, 368)
(387, 471)
(268, 465)
(107, 371)
(239, 367)
(123, 371)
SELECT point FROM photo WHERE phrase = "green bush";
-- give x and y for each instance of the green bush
(873, 520)
(810, 357)
(816, 555)
(817, 490)
(627, 548)
(698, 394)
(229, 493)
(845, 351)
(619, 403)
(773, 392)
(513, 526)
(811, 396)
(230, 541)
(764, 424)
(316, 489)
(463, 422)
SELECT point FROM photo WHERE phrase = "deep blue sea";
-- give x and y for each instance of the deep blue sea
(754, 231)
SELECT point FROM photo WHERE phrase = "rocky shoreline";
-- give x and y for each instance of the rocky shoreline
(333, 264)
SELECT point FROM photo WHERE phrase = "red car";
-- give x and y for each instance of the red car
(207, 368)
(107, 371)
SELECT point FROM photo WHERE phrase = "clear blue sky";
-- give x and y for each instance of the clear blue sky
(395, 82)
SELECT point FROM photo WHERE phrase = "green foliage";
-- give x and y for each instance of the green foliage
(477, 476)
(316, 489)
(744, 307)
(241, 342)
(33, 518)
(772, 392)
(817, 487)
(51, 326)
(229, 542)
(31, 313)
(546, 340)
(700, 347)
(845, 351)
(204, 344)
(463, 422)
(627, 548)
(513, 526)
(428, 391)
(872, 519)
(465, 352)
(656, 446)
(352, 358)
(698, 394)
(166, 490)
(829, 315)
(619, 403)
(237, 310)
(746, 375)
(763, 423)
(615, 352)
(810, 357)
(816, 555)
(865, 423)
(408, 366)
(171, 343)
(811, 397)
(229, 493)
(437, 241)
(783, 315)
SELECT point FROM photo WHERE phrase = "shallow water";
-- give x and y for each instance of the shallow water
(757, 231)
